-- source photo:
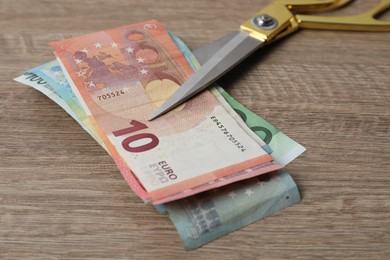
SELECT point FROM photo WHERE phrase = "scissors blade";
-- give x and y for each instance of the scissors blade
(232, 53)
(204, 53)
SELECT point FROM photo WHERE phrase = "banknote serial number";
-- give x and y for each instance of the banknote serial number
(112, 94)
(227, 133)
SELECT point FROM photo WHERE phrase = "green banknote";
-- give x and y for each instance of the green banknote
(284, 149)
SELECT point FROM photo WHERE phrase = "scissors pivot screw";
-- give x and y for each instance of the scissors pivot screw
(264, 21)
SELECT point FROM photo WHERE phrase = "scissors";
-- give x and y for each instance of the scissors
(276, 21)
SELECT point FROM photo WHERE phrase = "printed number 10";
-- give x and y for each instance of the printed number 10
(137, 126)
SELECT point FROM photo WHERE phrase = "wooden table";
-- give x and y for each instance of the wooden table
(62, 197)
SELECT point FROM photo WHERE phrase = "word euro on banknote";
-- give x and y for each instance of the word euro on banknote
(120, 77)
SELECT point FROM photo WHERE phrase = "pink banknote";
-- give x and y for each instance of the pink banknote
(120, 77)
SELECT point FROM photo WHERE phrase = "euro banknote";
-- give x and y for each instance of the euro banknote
(207, 216)
(120, 76)
(54, 86)
(31, 79)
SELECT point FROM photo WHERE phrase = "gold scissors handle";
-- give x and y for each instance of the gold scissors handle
(287, 18)
(362, 22)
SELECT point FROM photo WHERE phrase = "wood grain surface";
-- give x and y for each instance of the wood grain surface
(62, 197)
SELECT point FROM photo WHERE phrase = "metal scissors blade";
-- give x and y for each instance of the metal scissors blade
(233, 52)
(205, 52)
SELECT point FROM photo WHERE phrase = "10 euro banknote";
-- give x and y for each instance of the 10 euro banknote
(120, 76)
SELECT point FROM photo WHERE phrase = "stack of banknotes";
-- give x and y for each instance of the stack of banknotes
(211, 164)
